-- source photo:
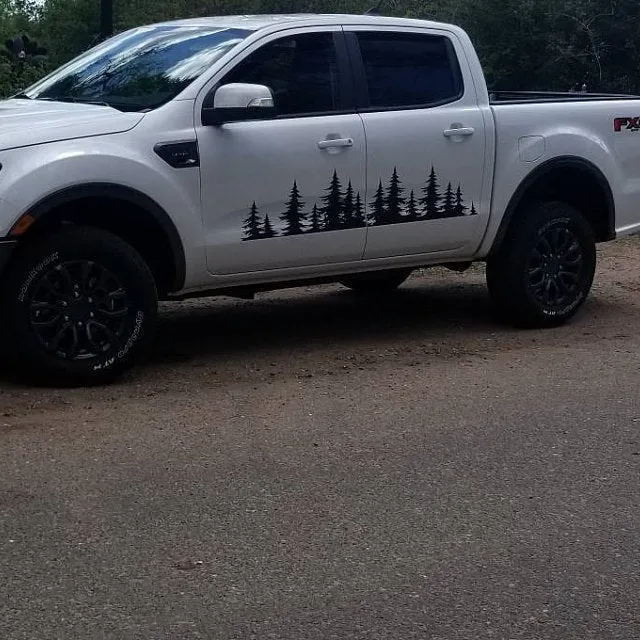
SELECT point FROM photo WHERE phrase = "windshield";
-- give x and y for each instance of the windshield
(139, 70)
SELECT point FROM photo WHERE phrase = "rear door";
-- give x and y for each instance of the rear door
(425, 142)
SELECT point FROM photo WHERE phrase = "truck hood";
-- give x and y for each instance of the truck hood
(29, 122)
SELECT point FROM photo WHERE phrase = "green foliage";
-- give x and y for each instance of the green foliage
(523, 44)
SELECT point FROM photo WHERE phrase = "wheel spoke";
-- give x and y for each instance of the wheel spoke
(536, 272)
(65, 278)
(55, 341)
(547, 250)
(85, 274)
(50, 322)
(111, 337)
(113, 315)
(44, 306)
(79, 311)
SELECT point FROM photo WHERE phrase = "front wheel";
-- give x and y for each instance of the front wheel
(544, 272)
(78, 307)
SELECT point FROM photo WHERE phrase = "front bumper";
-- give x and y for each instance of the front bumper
(6, 249)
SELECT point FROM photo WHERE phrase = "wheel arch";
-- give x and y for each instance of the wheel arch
(128, 213)
(569, 179)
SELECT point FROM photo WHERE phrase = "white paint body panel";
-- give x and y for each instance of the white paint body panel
(47, 147)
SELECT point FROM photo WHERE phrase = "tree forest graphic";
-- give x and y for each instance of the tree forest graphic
(343, 208)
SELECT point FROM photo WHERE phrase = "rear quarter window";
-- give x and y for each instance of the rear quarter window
(409, 70)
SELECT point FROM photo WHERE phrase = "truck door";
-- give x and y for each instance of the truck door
(425, 143)
(289, 191)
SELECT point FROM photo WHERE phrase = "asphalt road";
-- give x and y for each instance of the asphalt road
(314, 465)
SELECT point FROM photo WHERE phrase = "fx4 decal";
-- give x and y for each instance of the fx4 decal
(628, 124)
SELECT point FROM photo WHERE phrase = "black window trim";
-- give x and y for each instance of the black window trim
(363, 103)
(347, 91)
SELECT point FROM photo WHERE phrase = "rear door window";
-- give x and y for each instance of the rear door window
(409, 70)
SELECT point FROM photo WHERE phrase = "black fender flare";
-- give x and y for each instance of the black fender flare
(561, 162)
(114, 191)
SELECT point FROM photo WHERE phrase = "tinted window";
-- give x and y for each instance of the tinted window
(140, 69)
(302, 72)
(409, 69)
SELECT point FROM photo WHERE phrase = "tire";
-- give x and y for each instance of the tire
(79, 307)
(376, 281)
(544, 271)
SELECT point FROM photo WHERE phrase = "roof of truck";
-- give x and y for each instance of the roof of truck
(258, 22)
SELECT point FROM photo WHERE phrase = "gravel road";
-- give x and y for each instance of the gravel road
(318, 465)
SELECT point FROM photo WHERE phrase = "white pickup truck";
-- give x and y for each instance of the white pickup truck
(227, 156)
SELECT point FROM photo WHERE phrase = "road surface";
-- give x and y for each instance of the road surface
(317, 465)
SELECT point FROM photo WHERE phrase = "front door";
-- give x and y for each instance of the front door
(425, 144)
(287, 192)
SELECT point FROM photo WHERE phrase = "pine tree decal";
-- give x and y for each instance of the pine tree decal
(431, 201)
(314, 221)
(293, 217)
(459, 208)
(395, 200)
(378, 212)
(348, 208)
(448, 203)
(412, 207)
(251, 225)
(267, 230)
(358, 213)
(473, 211)
(332, 209)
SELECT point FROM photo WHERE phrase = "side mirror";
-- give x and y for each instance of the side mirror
(238, 102)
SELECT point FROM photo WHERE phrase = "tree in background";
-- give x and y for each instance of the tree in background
(523, 44)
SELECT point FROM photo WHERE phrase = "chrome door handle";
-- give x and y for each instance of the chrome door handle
(338, 143)
(464, 132)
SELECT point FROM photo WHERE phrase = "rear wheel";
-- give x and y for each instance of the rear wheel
(544, 272)
(79, 307)
(376, 282)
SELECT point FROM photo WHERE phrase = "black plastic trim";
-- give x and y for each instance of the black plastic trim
(540, 97)
(179, 155)
(119, 192)
(6, 249)
(537, 174)
(345, 74)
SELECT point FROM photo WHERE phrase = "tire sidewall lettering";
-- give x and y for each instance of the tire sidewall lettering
(138, 326)
(34, 273)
